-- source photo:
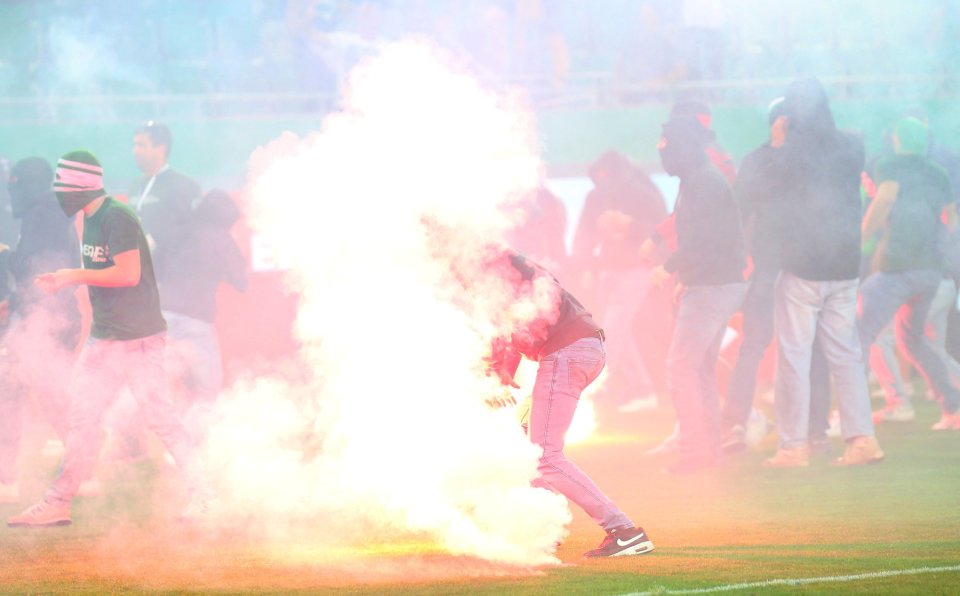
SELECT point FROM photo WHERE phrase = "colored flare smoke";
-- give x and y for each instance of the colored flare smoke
(385, 428)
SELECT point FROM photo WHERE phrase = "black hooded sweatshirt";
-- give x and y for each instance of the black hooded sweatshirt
(819, 169)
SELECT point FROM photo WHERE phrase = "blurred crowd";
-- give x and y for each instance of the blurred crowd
(639, 49)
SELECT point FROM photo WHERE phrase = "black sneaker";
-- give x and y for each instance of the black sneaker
(623, 541)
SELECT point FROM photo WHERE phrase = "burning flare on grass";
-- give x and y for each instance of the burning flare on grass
(385, 436)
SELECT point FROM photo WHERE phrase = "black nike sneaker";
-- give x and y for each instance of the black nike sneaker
(622, 541)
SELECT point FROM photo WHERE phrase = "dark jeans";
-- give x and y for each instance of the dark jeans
(905, 297)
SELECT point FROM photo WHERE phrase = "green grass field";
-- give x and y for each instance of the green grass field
(734, 525)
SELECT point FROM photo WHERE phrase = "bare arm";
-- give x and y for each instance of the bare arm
(879, 210)
(125, 272)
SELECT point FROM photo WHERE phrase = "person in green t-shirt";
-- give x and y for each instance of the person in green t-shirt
(912, 194)
(126, 343)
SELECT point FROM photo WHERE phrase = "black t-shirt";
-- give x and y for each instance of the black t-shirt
(120, 313)
(913, 226)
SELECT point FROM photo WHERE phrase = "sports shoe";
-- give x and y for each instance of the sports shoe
(796, 457)
(622, 541)
(834, 429)
(43, 514)
(860, 451)
(9, 493)
(638, 405)
(734, 440)
(948, 422)
(669, 445)
(894, 413)
(758, 427)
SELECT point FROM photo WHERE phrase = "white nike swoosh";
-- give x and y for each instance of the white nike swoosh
(631, 541)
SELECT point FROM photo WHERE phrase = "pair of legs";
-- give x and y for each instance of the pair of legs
(821, 313)
(194, 372)
(692, 366)
(905, 297)
(561, 378)
(104, 367)
(758, 326)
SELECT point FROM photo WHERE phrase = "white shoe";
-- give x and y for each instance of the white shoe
(90, 488)
(669, 445)
(758, 427)
(10, 493)
(834, 429)
(638, 405)
(897, 413)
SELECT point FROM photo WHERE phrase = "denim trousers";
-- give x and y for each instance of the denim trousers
(757, 333)
(905, 297)
(103, 368)
(822, 313)
(944, 301)
(561, 378)
(692, 364)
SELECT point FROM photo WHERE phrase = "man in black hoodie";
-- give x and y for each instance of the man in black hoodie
(816, 295)
(709, 263)
(206, 257)
(38, 346)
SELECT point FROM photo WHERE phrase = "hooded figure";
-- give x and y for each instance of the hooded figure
(48, 241)
(820, 174)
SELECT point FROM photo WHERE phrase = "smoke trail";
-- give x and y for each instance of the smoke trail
(384, 219)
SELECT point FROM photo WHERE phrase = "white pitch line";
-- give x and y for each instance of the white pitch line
(802, 581)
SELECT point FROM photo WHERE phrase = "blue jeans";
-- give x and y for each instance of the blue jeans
(824, 312)
(103, 368)
(905, 297)
(757, 336)
(561, 378)
(692, 364)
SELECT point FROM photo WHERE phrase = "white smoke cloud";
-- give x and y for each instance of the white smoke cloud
(386, 429)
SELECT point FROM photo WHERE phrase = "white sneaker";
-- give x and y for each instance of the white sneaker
(834, 429)
(897, 413)
(669, 445)
(10, 493)
(758, 427)
(90, 488)
(638, 405)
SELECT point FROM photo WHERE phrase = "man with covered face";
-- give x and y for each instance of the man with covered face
(126, 343)
(37, 348)
(709, 262)
(816, 294)
(568, 345)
